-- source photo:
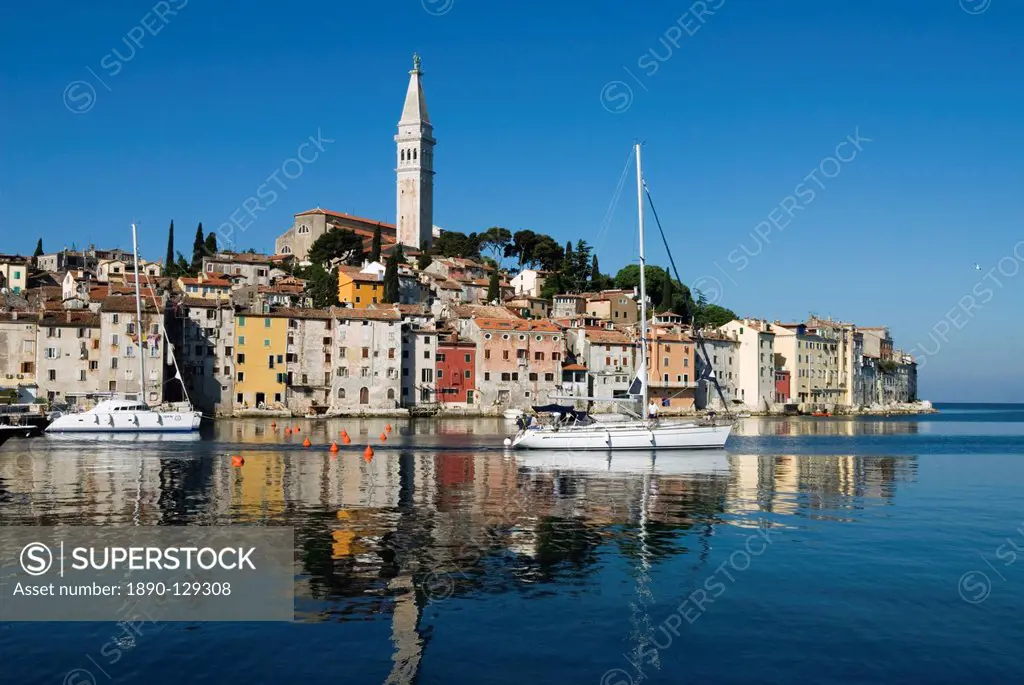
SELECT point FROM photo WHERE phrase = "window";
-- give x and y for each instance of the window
(391, 393)
(391, 353)
(266, 342)
(241, 321)
(270, 364)
(504, 354)
(487, 354)
(521, 353)
(555, 356)
(238, 398)
(426, 354)
(52, 374)
(113, 362)
(549, 376)
(468, 359)
(277, 397)
(440, 374)
(487, 375)
(241, 340)
(241, 376)
(664, 362)
(93, 366)
(440, 357)
(533, 376)
(467, 373)
(366, 353)
(427, 375)
(506, 376)
(303, 229)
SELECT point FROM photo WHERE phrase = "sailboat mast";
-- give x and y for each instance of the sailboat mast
(643, 284)
(138, 318)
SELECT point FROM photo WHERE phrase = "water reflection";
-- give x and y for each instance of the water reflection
(381, 538)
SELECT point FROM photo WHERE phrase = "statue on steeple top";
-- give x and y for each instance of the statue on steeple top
(416, 61)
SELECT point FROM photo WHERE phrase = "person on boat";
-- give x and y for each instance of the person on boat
(652, 410)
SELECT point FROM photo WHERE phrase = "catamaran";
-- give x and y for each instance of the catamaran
(127, 415)
(573, 430)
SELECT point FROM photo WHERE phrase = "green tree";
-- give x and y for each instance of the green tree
(455, 244)
(547, 254)
(182, 266)
(337, 244)
(322, 285)
(169, 259)
(423, 261)
(39, 249)
(494, 288)
(575, 269)
(392, 288)
(522, 246)
(495, 240)
(711, 314)
(198, 246)
(211, 243)
(375, 245)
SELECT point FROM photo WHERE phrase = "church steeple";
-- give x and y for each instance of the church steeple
(415, 110)
(415, 171)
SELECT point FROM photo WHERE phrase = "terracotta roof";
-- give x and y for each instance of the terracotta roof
(414, 309)
(127, 304)
(574, 367)
(449, 285)
(70, 319)
(280, 289)
(350, 217)
(209, 282)
(603, 336)
(241, 257)
(465, 311)
(516, 325)
(13, 259)
(206, 304)
(369, 314)
(355, 274)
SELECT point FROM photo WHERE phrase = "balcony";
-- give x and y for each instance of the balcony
(671, 384)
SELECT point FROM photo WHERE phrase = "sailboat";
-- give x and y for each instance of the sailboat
(576, 431)
(126, 415)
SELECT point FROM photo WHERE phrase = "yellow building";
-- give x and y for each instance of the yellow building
(13, 272)
(261, 346)
(206, 287)
(359, 289)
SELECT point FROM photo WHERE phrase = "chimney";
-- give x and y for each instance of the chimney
(67, 316)
(14, 315)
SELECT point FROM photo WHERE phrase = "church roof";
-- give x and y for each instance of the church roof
(415, 109)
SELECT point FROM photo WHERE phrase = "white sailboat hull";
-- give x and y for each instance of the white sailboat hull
(624, 436)
(126, 422)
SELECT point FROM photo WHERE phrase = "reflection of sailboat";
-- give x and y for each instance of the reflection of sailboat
(703, 462)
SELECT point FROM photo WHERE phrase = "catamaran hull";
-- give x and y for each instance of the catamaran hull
(127, 422)
(613, 437)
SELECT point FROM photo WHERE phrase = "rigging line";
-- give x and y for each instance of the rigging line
(675, 270)
(602, 234)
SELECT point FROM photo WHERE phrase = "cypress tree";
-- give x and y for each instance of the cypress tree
(391, 286)
(493, 289)
(211, 243)
(169, 259)
(375, 247)
(198, 245)
(39, 248)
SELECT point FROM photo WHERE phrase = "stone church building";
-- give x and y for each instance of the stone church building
(415, 189)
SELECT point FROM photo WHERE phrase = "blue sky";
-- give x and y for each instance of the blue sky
(736, 108)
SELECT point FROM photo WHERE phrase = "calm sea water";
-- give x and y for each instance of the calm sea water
(810, 550)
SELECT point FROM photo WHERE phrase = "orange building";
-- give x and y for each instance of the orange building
(672, 369)
(359, 289)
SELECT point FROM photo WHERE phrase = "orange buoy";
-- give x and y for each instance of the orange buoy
(384, 437)
(368, 452)
(287, 431)
(334, 447)
(387, 428)
(237, 461)
(306, 443)
(273, 424)
(345, 439)
(296, 429)
(344, 432)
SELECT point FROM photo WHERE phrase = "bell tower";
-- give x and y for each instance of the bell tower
(414, 217)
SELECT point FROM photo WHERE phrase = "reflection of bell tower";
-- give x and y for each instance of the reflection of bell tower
(414, 217)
